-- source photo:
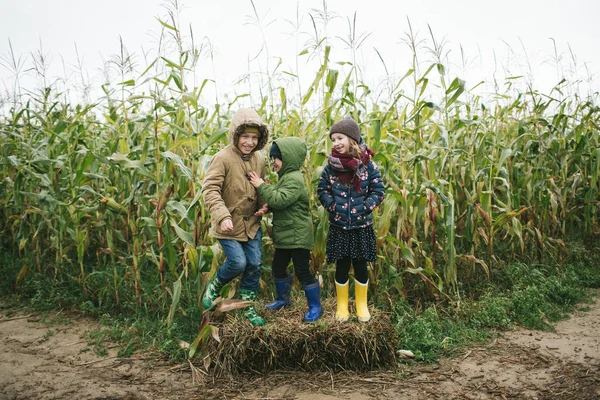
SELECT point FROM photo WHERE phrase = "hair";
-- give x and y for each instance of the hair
(262, 134)
(354, 149)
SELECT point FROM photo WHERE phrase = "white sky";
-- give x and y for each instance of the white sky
(512, 32)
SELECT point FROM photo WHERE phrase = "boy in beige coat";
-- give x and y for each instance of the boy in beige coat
(236, 208)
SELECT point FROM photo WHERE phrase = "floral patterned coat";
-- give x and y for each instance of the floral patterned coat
(347, 208)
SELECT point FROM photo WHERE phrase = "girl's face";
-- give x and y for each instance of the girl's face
(276, 163)
(340, 143)
(247, 142)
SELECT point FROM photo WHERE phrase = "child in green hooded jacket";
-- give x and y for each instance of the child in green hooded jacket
(292, 224)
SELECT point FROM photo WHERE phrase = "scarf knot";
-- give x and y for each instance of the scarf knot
(347, 167)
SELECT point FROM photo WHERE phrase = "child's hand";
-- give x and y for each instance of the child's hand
(263, 210)
(226, 225)
(255, 180)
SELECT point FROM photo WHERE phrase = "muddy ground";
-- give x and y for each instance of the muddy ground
(48, 358)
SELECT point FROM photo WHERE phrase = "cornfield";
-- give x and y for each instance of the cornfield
(107, 193)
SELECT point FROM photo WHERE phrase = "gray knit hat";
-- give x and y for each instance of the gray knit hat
(348, 127)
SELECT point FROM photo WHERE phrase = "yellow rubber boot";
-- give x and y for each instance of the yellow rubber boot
(360, 292)
(341, 292)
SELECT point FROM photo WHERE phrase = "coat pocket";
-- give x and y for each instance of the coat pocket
(283, 231)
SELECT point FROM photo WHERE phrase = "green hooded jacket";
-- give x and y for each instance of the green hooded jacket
(288, 199)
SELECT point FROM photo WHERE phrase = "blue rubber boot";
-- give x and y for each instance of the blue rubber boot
(313, 297)
(283, 286)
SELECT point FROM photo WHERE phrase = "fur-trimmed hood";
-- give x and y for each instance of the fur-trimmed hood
(247, 117)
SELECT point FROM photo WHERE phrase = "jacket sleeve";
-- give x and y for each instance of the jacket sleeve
(260, 200)
(376, 189)
(283, 195)
(212, 188)
(325, 192)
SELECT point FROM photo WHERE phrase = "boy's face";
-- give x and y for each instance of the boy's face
(340, 142)
(247, 142)
(276, 163)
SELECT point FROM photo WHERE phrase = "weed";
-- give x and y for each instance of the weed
(429, 335)
(49, 333)
(491, 311)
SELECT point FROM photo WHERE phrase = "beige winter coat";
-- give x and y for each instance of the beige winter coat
(226, 190)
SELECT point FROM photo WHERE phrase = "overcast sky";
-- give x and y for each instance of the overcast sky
(513, 35)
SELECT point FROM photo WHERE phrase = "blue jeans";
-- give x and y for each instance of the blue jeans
(243, 258)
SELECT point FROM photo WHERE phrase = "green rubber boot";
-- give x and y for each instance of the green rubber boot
(249, 312)
(213, 290)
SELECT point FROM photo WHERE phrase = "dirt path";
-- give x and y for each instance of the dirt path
(41, 360)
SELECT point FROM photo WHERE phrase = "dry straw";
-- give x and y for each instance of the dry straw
(287, 343)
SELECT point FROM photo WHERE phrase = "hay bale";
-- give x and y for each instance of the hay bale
(287, 343)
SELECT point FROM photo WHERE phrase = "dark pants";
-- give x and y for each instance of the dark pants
(301, 259)
(342, 267)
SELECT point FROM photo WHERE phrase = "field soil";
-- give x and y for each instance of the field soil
(48, 357)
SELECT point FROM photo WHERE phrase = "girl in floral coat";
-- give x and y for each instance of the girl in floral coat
(350, 188)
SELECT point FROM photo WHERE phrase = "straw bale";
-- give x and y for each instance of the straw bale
(288, 343)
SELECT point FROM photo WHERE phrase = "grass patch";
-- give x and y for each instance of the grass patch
(530, 295)
(435, 332)
(533, 296)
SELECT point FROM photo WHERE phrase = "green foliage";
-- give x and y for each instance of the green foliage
(489, 312)
(531, 295)
(432, 334)
(107, 194)
(541, 295)
(584, 262)
(144, 332)
(49, 333)
(100, 203)
(531, 310)
(424, 334)
(44, 294)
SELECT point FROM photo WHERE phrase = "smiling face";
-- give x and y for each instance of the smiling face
(247, 142)
(276, 163)
(340, 143)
